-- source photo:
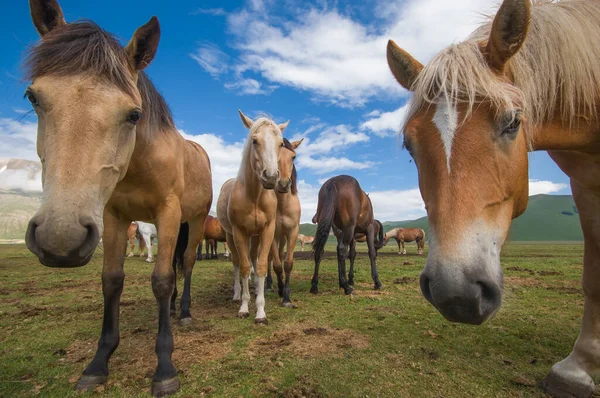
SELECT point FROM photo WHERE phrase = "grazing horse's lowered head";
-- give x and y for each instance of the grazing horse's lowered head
(85, 92)
(287, 169)
(263, 147)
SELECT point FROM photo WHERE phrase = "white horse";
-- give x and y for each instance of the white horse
(147, 232)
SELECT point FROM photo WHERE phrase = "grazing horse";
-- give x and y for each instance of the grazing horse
(406, 235)
(102, 123)
(247, 207)
(305, 240)
(146, 232)
(345, 206)
(287, 222)
(526, 80)
(213, 234)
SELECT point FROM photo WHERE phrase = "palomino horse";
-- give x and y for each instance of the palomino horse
(287, 221)
(247, 207)
(305, 240)
(213, 231)
(406, 235)
(527, 80)
(345, 206)
(101, 123)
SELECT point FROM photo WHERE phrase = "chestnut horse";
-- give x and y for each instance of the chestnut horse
(247, 207)
(345, 206)
(101, 123)
(305, 240)
(287, 222)
(402, 235)
(132, 233)
(526, 80)
(214, 232)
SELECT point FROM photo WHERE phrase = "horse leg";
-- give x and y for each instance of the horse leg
(274, 255)
(288, 266)
(352, 257)
(115, 243)
(266, 242)
(571, 377)
(314, 283)
(196, 235)
(131, 246)
(235, 260)
(373, 256)
(254, 242)
(403, 248)
(207, 243)
(241, 245)
(226, 249)
(173, 308)
(216, 250)
(344, 242)
(143, 248)
(399, 246)
(148, 239)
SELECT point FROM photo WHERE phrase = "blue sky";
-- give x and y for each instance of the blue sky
(320, 64)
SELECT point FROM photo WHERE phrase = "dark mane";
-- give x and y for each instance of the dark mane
(84, 47)
(288, 145)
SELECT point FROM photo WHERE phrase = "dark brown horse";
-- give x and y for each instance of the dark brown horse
(213, 234)
(345, 206)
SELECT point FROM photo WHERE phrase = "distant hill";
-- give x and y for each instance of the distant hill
(547, 218)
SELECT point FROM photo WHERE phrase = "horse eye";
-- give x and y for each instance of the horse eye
(512, 125)
(134, 117)
(31, 97)
(254, 141)
(406, 145)
(281, 144)
(294, 158)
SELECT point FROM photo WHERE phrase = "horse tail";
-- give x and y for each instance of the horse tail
(326, 212)
(379, 241)
(181, 246)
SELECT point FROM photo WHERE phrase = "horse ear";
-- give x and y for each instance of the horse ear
(46, 15)
(245, 119)
(296, 144)
(403, 66)
(143, 45)
(508, 33)
(282, 126)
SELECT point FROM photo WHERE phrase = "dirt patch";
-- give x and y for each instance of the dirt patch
(302, 388)
(519, 269)
(312, 342)
(405, 280)
(519, 281)
(549, 273)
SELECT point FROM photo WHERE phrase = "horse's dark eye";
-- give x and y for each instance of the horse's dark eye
(134, 117)
(31, 97)
(406, 145)
(254, 141)
(294, 158)
(281, 144)
(512, 125)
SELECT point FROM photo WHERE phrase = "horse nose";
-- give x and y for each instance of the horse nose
(460, 297)
(269, 181)
(62, 245)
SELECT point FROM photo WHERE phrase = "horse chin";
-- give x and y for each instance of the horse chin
(268, 184)
(283, 190)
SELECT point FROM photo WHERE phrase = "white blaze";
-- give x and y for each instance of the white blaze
(445, 119)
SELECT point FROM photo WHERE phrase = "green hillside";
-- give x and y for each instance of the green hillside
(547, 218)
(16, 208)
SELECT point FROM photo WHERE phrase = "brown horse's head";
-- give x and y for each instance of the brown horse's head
(464, 133)
(84, 89)
(287, 169)
(263, 148)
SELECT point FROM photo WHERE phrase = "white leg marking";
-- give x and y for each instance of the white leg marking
(237, 288)
(245, 297)
(446, 120)
(260, 298)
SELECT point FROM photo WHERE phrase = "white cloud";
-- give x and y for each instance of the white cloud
(330, 139)
(20, 111)
(340, 59)
(384, 124)
(18, 139)
(217, 12)
(211, 58)
(246, 87)
(386, 204)
(328, 164)
(537, 187)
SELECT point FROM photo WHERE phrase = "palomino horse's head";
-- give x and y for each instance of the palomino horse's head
(265, 142)
(287, 169)
(84, 91)
(464, 133)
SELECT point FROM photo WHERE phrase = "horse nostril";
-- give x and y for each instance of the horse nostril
(278, 174)
(264, 175)
(425, 289)
(92, 237)
(30, 238)
(491, 296)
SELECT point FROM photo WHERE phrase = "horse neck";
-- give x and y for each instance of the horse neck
(555, 135)
(250, 181)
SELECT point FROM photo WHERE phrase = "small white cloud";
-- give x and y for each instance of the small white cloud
(385, 124)
(324, 165)
(20, 111)
(217, 12)
(18, 139)
(246, 87)
(537, 187)
(211, 59)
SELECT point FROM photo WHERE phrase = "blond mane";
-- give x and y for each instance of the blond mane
(555, 70)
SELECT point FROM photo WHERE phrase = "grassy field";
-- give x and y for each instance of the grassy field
(372, 344)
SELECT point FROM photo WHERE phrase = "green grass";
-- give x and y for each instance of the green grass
(376, 344)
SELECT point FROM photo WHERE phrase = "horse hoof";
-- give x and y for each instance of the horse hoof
(261, 321)
(351, 282)
(559, 387)
(348, 291)
(165, 387)
(287, 304)
(314, 290)
(378, 286)
(89, 382)
(243, 314)
(185, 321)
(148, 260)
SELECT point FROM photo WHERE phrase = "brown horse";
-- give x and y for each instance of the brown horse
(132, 233)
(527, 80)
(247, 207)
(101, 123)
(345, 206)
(402, 235)
(213, 232)
(287, 222)
(305, 240)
